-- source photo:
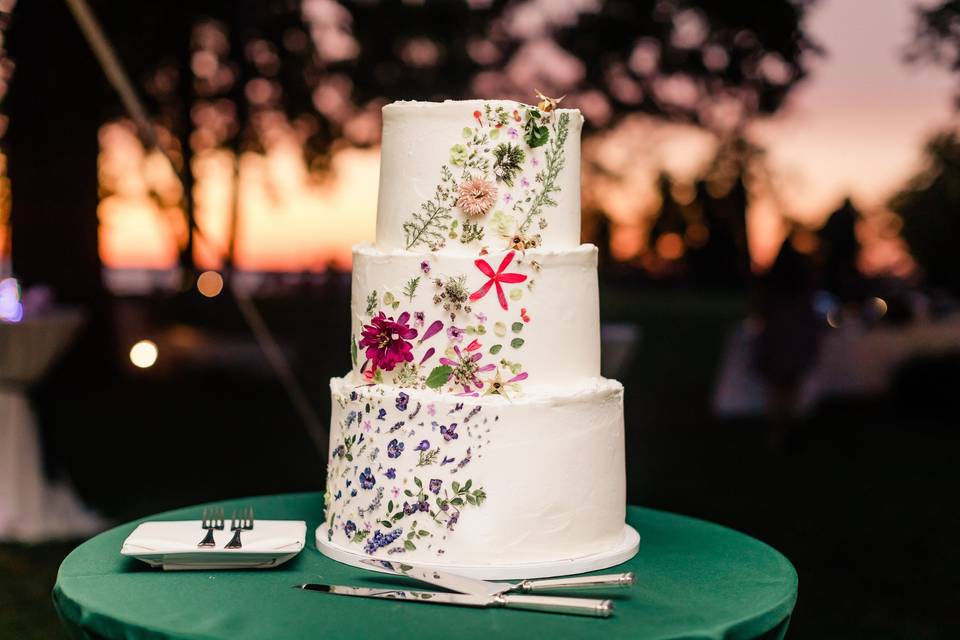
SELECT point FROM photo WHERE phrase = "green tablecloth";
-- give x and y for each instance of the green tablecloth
(694, 580)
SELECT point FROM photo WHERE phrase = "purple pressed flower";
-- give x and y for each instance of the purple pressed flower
(446, 460)
(481, 317)
(425, 267)
(418, 319)
(524, 182)
(394, 449)
(350, 528)
(427, 355)
(395, 492)
(424, 506)
(431, 410)
(432, 330)
(366, 479)
(379, 540)
(402, 401)
(409, 509)
(423, 446)
(449, 433)
(513, 133)
(391, 473)
(455, 333)
(381, 414)
(507, 198)
(467, 366)
(387, 341)
(453, 521)
(435, 485)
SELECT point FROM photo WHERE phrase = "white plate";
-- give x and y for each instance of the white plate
(173, 545)
(620, 552)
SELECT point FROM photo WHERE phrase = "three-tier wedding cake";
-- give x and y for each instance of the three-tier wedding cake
(474, 430)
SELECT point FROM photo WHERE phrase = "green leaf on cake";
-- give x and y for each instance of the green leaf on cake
(516, 343)
(409, 546)
(410, 289)
(495, 349)
(353, 351)
(535, 134)
(507, 162)
(439, 376)
(516, 327)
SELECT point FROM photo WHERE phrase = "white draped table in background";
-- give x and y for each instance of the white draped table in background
(32, 509)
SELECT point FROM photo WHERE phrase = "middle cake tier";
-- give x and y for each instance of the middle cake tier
(475, 325)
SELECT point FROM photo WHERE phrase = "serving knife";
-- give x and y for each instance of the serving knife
(476, 587)
(548, 604)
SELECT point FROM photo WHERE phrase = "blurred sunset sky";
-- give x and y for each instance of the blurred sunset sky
(855, 127)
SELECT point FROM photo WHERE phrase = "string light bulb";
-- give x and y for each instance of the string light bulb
(144, 354)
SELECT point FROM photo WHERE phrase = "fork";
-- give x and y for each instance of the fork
(212, 520)
(243, 523)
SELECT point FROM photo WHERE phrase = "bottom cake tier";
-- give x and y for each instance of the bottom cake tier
(475, 481)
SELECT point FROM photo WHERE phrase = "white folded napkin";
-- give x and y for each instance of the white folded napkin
(184, 535)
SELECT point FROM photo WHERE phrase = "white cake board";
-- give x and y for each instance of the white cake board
(620, 552)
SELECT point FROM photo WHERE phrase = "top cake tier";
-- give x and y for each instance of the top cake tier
(458, 176)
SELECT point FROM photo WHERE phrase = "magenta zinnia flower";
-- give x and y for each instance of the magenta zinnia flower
(387, 340)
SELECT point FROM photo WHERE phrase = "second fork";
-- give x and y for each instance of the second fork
(243, 523)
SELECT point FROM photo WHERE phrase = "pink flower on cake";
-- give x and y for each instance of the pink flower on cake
(496, 279)
(387, 341)
(477, 196)
(467, 366)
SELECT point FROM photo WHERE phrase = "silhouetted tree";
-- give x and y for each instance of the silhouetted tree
(668, 229)
(839, 250)
(720, 257)
(929, 207)
(323, 68)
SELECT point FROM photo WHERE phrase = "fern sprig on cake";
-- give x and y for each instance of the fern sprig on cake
(554, 159)
(429, 225)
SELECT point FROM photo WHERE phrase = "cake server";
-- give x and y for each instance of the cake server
(476, 587)
(547, 604)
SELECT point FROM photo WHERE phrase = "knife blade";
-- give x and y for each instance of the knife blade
(474, 586)
(438, 578)
(547, 604)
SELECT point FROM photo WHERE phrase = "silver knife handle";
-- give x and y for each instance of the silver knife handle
(556, 604)
(578, 582)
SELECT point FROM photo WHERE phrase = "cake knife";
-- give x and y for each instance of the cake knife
(476, 587)
(547, 604)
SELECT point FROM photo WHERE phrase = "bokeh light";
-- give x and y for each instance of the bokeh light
(11, 310)
(144, 354)
(210, 284)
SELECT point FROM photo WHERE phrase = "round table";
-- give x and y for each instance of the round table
(694, 580)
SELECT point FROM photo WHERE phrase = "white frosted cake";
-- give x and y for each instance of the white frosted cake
(474, 429)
